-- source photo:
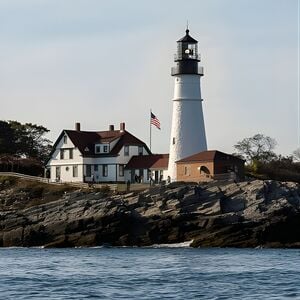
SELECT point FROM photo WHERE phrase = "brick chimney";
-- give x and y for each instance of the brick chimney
(111, 127)
(77, 126)
(122, 127)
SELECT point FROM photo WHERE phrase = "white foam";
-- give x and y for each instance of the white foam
(174, 245)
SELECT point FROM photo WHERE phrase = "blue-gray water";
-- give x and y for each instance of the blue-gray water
(147, 273)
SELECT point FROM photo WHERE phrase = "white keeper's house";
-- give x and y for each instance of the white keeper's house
(89, 156)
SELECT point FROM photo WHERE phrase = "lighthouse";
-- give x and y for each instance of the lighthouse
(187, 131)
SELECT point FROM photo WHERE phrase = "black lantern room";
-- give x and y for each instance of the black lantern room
(187, 57)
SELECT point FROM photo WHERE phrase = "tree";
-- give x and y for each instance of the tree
(24, 140)
(296, 155)
(258, 148)
(7, 138)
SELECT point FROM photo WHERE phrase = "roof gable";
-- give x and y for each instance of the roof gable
(85, 141)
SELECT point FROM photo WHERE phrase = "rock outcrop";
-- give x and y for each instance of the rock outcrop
(217, 214)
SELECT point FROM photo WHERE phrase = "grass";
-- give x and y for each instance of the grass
(32, 193)
(6, 181)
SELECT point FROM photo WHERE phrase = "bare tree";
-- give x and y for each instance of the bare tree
(257, 148)
(296, 154)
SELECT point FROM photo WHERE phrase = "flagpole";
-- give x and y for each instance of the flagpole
(150, 128)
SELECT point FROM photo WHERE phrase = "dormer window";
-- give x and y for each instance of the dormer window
(101, 148)
(65, 139)
(97, 149)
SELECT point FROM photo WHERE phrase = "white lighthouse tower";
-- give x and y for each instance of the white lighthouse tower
(188, 131)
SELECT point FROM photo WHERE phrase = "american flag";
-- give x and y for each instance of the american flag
(155, 121)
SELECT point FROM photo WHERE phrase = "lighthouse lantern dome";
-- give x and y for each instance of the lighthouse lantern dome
(187, 48)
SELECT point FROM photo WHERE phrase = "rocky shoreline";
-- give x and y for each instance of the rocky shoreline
(218, 214)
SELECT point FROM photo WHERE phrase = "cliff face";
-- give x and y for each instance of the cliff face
(247, 214)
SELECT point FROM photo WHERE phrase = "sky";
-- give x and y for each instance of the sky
(104, 62)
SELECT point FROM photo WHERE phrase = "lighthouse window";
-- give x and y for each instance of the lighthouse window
(173, 141)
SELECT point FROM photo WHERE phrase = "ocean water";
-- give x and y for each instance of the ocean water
(149, 273)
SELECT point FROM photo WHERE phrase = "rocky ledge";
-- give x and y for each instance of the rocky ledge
(218, 214)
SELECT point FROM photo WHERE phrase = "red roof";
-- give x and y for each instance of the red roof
(210, 155)
(153, 161)
(85, 140)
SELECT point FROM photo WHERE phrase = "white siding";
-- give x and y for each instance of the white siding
(66, 164)
(97, 176)
(133, 150)
(66, 173)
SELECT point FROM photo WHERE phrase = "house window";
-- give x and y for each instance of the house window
(62, 154)
(104, 170)
(126, 150)
(88, 170)
(75, 171)
(186, 170)
(140, 150)
(97, 149)
(96, 168)
(121, 170)
(57, 173)
(71, 153)
(105, 149)
(65, 139)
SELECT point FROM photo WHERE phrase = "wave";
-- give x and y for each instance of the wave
(186, 244)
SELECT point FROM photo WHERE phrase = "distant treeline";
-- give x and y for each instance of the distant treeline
(23, 147)
(262, 162)
(280, 168)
